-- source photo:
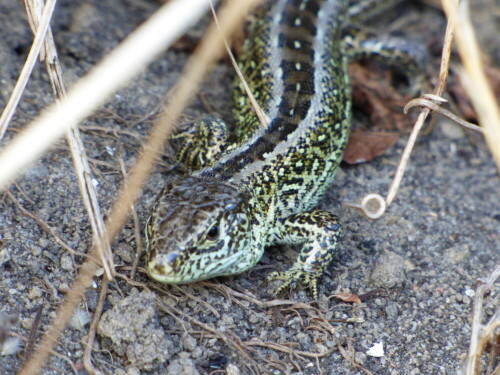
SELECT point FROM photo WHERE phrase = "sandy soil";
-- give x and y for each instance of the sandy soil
(415, 269)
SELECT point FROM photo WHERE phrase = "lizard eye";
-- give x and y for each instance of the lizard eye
(213, 232)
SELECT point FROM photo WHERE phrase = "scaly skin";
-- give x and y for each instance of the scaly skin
(261, 190)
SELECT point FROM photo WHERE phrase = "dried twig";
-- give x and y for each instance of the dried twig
(28, 350)
(46, 227)
(87, 354)
(427, 101)
(482, 334)
(286, 349)
(351, 360)
(373, 205)
(221, 335)
(137, 226)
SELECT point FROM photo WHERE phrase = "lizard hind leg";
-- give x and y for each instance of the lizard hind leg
(318, 232)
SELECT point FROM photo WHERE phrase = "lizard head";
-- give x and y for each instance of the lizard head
(198, 229)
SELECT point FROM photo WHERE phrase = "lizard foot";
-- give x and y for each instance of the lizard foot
(295, 276)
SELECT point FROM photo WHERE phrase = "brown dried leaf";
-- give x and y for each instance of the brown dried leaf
(374, 94)
(347, 297)
(365, 145)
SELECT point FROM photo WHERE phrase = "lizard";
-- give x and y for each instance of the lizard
(242, 196)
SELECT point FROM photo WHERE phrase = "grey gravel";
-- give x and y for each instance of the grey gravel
(189, 343)
(4, 256)
(414, 268)
(389, 270)
(182, 366)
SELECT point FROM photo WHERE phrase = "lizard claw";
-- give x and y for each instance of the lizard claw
(295, 276)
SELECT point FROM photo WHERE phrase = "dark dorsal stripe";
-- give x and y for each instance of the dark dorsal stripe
(296, 54)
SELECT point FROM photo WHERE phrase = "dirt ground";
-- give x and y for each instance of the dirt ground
(415, 269)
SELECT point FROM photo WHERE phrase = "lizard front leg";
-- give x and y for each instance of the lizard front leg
(201, 143)
(318, 232)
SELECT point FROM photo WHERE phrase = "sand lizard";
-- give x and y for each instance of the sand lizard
(262, 189)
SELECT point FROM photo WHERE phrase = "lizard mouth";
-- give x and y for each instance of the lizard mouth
(165, 269)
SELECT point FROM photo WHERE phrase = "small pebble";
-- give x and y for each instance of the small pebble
(66, 263)
(4, 256)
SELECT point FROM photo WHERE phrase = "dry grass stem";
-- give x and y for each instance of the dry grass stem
(121, 65)
(473, 75)
(234, 342)
(232, 295)
(248, 297)
(115, 131)
(484, 102)
(199, 300)
(194, 72)
(263, 118)
(54, 353)
(11, 106)
(80, 162)
(64, 313)
(314, 314)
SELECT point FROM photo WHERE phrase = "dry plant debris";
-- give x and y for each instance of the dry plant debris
(294, 336)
